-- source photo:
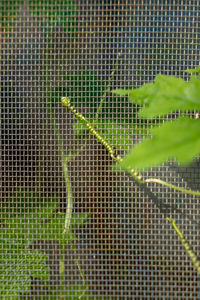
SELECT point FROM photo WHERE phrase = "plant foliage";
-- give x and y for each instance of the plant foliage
(57, 13)
(178, 139)
(25, 219)
(8, 14)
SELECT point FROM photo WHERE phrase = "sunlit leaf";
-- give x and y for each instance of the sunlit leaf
(196, 70)
(179, 139)
(166, 95)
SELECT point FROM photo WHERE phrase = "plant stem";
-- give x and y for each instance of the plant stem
(186, 245)
(107, 88)
(137, 176)
(80, 270)
(74, 154)
(69, 196)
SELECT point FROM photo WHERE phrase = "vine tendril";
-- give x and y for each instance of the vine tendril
(186, 245)
(137, 176)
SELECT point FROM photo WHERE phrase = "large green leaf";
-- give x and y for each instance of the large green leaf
(179, 139)
(30, 220)
(166, 95)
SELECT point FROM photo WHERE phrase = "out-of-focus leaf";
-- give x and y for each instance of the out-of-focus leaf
(196, 70)
(8, 13)
(142, 95)
(78, 220)
(166, 95)
(83, 88)
(179, 139)
(57, 13)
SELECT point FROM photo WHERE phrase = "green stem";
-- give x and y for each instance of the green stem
(69, 197)
(186, 245)
(137, 176)
(107, 88)
(74, 154)
(80, 271)
(64, 161)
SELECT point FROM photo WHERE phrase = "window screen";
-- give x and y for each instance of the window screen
(117, 244)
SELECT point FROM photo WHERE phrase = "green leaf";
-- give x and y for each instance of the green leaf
(57, 13)
(166, 95)
(179, 139)
(16, 267)
(196, 70)
(142, 95)
(30, 220)
(37, 224)
(85, 89)
(8, 14)
(36, 265)
(78, 220)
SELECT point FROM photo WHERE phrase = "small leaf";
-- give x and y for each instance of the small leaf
(179, 139)
(196, 70)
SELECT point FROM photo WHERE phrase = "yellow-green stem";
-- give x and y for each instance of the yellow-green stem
(186, 245)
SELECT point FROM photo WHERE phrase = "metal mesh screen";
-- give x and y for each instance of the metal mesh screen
(120, 245)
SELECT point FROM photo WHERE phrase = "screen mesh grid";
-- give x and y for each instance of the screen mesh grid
(123, 248)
